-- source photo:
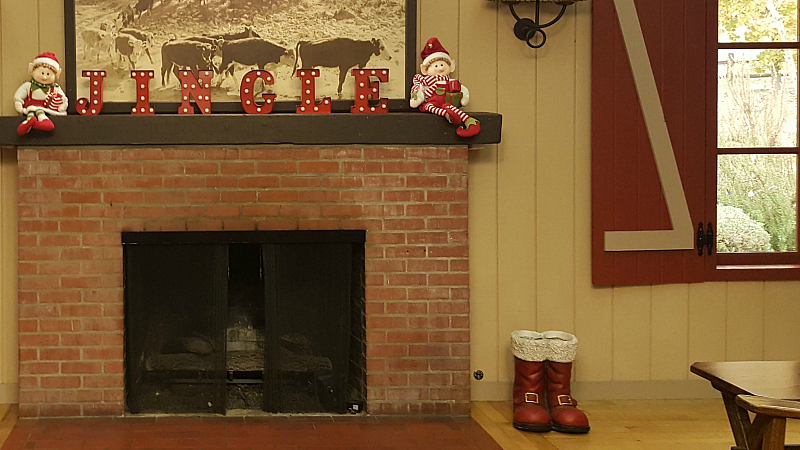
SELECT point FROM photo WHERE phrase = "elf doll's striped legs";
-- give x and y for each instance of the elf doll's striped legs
(469, 125)
(453, 115)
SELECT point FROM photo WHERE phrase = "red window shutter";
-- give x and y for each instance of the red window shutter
(626, 191)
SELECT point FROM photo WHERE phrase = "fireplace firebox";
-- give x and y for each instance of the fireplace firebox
(217, 322)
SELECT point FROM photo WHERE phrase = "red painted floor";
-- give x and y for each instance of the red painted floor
(329, 433)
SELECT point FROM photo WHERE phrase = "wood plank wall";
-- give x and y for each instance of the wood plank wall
(530, 220)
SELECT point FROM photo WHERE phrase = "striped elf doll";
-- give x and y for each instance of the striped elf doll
(41, 95)
(435, 92)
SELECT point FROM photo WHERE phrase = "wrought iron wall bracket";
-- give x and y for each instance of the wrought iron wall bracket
(531, 30)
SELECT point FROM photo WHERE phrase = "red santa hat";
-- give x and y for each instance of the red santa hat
(434, 50)
(48, 59)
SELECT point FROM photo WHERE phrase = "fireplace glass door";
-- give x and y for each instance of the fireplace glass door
(308, 297)
(275, 326)
(174, 328)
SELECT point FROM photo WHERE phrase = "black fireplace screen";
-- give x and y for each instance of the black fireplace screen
(223, 321)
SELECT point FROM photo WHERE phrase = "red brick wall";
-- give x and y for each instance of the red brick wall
(74, 202)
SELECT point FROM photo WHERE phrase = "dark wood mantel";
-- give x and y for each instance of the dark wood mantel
(411, 128)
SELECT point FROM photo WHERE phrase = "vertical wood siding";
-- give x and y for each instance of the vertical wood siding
(19, 40)
(530, 212)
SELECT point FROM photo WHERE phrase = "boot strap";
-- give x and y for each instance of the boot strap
(564, 400)
(531, 397)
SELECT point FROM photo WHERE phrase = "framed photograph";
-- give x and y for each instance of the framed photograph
(232, 37)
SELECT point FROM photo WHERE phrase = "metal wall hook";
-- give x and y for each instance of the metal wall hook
(527, 29)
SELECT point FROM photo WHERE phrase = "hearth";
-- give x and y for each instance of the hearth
(270, 321)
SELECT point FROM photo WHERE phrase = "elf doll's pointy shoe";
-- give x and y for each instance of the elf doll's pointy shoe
(25, 126)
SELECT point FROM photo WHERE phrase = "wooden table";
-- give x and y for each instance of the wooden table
(775, 379)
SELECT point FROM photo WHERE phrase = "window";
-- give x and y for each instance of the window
(755, 174)
(721, 95)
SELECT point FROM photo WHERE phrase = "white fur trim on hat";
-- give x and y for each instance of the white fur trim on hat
(50, 62)
(436, 55)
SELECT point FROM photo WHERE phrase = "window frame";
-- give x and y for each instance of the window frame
(741, 266)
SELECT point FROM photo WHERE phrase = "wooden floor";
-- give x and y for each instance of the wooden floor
(8, 417)
(619, 425)
(622, 425)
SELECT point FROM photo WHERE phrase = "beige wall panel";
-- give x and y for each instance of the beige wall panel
(432, 14)
(484, 301)
(8, 270)
(7, 366)
(593, 307)
(18, 46)
(20, 41)
(2, 72)
(594, 325)
(477, 53)
(669, 322)
(782, 320)
(707, 322)
(555, 179)
(745, 321)
(478, 59)
(51, 33)
(631, 353)
(516, 167)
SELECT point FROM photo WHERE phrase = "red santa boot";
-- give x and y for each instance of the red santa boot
(529, 371)
(566, 417)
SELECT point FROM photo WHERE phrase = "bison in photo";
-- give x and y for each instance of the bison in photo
(98, 41)
(147, 38)
(215, 43)
(248, 32)
(252, 52)
(125, 17)
(141, 7)
(129, 47)
(177, 55)
(343, 53)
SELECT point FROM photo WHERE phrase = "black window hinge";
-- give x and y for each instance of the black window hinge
(705, 239)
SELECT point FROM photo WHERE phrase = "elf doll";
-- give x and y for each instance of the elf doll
(41, 95)
(435, 92)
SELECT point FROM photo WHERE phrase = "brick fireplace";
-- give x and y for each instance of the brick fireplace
(74, 202)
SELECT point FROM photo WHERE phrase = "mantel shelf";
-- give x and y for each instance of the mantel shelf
(401, 128)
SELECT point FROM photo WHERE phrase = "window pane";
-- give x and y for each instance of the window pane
(756, 203)
(757, 20)
(757, 98)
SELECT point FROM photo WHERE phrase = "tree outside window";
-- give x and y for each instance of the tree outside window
(757, 104)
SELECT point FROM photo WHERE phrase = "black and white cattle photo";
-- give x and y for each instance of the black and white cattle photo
(232, 37)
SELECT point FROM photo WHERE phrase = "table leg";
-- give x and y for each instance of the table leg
(774, 434)
(739, 419)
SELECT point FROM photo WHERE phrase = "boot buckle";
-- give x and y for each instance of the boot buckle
(534, 396)
(564, 399)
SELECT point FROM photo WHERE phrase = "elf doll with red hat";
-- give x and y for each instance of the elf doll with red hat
(41, 95)
(435, 92)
